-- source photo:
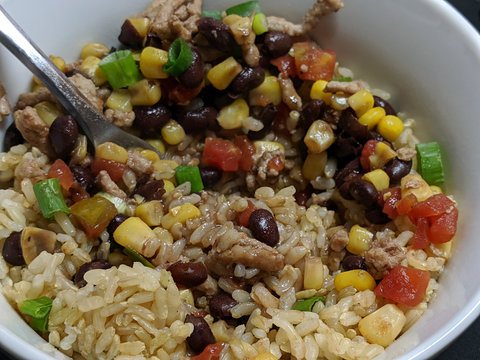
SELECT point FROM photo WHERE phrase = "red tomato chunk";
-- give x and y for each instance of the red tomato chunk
(61, 171)
(222, 154)
(114, 169)
(313, 63)
(211, 352)
(404, 285)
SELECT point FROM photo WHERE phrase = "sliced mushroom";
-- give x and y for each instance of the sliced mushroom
(34, 241)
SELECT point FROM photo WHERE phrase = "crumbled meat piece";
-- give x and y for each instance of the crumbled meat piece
(173, 19)
(4, 104)
(73, 67)
(235, 247)
(138, 163)
(289, 94)
(241, 28)
(384, 254)
(103, 93)
(338, 237)
(33, 98)
(347, 87)
(334, 260)
(120, 118)
(109, 186)
(406, 153)
(319, 9)
(33, 129)
(208, 287)
(87, 88)
(30, 169)
(261, 174)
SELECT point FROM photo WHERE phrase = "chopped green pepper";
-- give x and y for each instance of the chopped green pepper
(120, 69)
(191, 174)
(307, 304)
(50, 198)
(180, 57)
(244, 9)
(430, 164)
(39, 309)
(136, 256)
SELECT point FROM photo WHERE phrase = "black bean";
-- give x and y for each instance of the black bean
(364, 192)
(189, 274)
(83, 176)
(63, 135)
(201, 336)
(248, 79)
(373, 135)
(376, 216)
(378, 101)
(150, 119)
(263, 227)
(193, 76)
(220, 306)
(349, 124)
(345, 148)
(277, 43)
(217, 33)
(129, 36)
(197, 120)
(353, 167)
(302, 196)
(12, 137)
(115, 223)
(344, 190)
(93, 265)
(152, 190)
(313, 110)
(267, 116)
(12, 250)
(210, 176)
(153, 40)
(352, 262)
(396, 169)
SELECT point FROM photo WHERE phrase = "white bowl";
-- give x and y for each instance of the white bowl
(421, 51)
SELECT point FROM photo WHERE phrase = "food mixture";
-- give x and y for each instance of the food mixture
(291, 213)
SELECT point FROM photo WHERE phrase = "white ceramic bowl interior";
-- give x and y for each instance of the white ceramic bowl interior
(421, 51)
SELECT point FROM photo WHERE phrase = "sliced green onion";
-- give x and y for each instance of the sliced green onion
(120, 69)
(191, 174)
(180, 57)
(430, 164)
(343, 79)
(260, 24)
(120, 204)
(39, 309)
(244, 9)
(212, 14)
(307, 304)
(136, 256)
(50, 198)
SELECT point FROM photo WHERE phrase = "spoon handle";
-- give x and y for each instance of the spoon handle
(93, 123)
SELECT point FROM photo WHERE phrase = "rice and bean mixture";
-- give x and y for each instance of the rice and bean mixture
(286, 218)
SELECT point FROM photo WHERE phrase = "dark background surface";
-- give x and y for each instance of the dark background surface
(467, 346)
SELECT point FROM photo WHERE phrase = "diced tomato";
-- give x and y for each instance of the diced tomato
(78, 193)
(279, 125)
(114, 169)
(276, 163)
(443, 227)
(285, 64)
(404, 285)
(390, 204)
(420, 239)
(222, 154)
(405, 205)
(248, 150)
(313, 63)
(61, 171)
(367, 151)
(433, 206)
(94, 214)
(211, 352)
(179, 94)
(244, 217)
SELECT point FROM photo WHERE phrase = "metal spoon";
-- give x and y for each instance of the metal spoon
(93, 123)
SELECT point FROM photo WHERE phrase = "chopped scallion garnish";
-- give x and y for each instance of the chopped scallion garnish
(180, 57)
(343, 79)
(120, 69)
(39, 309)
(50, 198)
(307, 304)
(191, 174)
(120, 204)
(260, 24)
(136, 256)
(430, 164)
(212, 14)
(244, 9)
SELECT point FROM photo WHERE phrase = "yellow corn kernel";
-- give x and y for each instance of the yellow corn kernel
(165, 165)
(94, 49)
(319, 137)
(222, 74)
(265, 356)
(359, 240)
(359, 279)
(180, 214)
(112, 151)
(119, 100)
(47, 111)
(231, 116)
(145, 92)
(173, 133)
(361, 102)
(135, 233)
(339, 102)
(157, 144)
(436, 189)
(58, 62)
(372, 117)
(414, 184)
(314, 165)
(383, 325)
(313, 274)
(377, 178)
(150, 155)
(187, 296)
(383, 154)
(141, 25)
(390, 127)
(443, 250)
(163, 235)
(316, 92)
(267, 92)
(150, 212)
(90, 67)
(168, 186)
(152, 61)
